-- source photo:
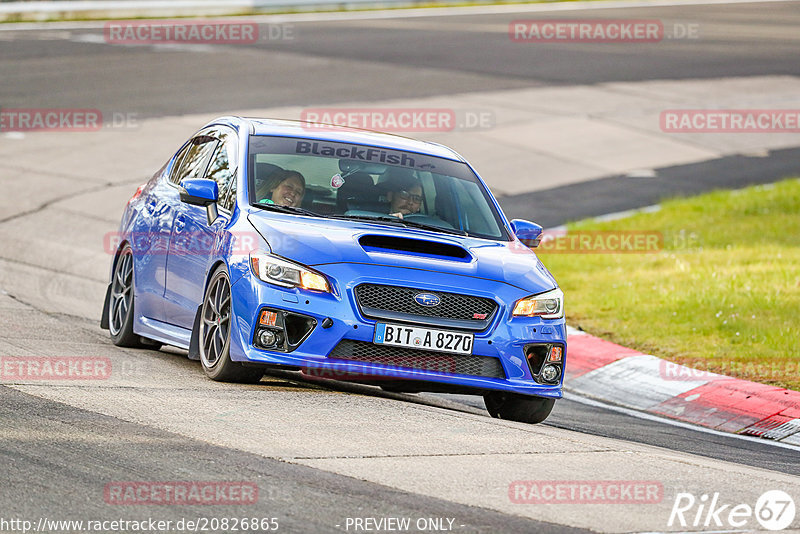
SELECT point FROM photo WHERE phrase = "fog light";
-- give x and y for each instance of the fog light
(267, 338)
(550, 373)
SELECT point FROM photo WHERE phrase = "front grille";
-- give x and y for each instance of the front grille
(418, 360)
(397, 303)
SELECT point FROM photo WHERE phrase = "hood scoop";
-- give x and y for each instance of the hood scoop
(413, 247)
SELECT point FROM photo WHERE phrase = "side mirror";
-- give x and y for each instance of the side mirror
(201, 192)
(528, 232)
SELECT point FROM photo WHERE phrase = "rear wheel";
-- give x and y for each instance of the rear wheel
(514, 407)
(214, 335)
(121, 303)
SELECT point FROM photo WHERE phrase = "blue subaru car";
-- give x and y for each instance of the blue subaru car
(343, 254)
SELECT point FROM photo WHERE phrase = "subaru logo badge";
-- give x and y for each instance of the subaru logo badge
(427, 299)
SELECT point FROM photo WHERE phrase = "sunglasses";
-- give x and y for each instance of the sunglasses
(405, 195)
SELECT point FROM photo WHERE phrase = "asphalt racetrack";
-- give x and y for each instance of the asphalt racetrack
(324, 454)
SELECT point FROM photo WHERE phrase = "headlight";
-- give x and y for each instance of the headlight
(548, 305)
(286, 273)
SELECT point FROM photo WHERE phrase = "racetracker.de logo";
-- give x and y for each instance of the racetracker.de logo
(586, 492)
(586, 31)
(717, 369)
(186, 243)
(402, 368)
(381, 119)
(54, 368)
(191, 32)
(730, 121)
(50, 119)
(601, 242)
(180, 492)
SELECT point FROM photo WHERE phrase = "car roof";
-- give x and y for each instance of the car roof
(342, 134)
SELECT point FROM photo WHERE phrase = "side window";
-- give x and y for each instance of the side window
(173, 172)
(227, 198)
(222, 168)
(194, 160)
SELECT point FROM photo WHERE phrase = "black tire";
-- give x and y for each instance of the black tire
(514, 407)
(121, 302)
(214, 334)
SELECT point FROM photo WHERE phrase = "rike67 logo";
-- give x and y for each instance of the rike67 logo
(774, 510)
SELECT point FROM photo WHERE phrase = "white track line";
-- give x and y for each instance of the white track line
(655, 418)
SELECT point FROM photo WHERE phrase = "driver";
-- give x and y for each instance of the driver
(403, 192)
(285, 188)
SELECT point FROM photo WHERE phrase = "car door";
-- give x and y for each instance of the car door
(185, 246)
(149, 237)
(193, 240)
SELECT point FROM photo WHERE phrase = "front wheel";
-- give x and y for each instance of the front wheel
(514, 407)
(214, 335)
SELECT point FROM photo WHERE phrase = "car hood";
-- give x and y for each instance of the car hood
(315, 242)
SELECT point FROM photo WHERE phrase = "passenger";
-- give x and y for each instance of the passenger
(285, 188)
(403, 192)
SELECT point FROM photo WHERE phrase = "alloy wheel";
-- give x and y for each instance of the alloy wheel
(121, 291)
(215, 321)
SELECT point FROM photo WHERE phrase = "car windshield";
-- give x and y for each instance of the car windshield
(342, 180)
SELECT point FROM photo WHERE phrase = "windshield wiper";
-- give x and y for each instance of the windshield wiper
(286, 209)
(396, 221)
(369, 218)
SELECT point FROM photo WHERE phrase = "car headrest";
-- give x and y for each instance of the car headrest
(397, 179)
(357, 188)
(263, 170)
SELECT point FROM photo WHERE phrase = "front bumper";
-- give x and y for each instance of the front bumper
(503, 339)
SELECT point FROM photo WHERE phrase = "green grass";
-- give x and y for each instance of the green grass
(723, 295)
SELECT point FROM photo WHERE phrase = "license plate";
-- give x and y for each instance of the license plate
(423, 338)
